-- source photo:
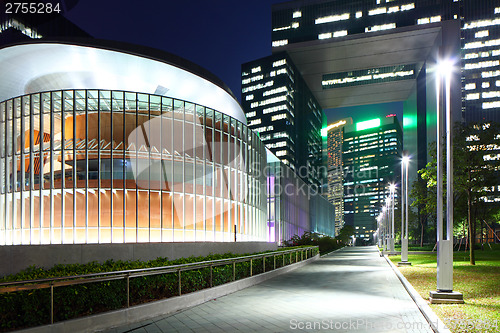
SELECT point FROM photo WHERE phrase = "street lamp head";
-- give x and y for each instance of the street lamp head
(406, 159)
(445, 67)
(392, 188)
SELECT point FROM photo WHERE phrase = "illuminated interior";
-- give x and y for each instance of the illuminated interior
(102, 166)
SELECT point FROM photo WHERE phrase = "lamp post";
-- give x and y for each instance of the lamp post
(444, 293)
(384, 227)
(404, 212)
(392, 189)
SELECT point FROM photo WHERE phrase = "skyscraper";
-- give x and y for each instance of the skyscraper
(335, 191)
(370, 154)
(280, 107)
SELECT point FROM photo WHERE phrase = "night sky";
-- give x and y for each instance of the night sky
(218, 35)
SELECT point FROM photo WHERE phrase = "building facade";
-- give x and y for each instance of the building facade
(101, 145)
(322, 21)
(280, 107)
(294, 206)
(335, 140)
(371, 155)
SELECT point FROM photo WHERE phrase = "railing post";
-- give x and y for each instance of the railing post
(128, 290)
(264, 264)
(302, 255)
(290, 258)
(274, 260)
(251, 266)
(234, 270)
(180, 291)
(51, 302)
(296, 256)
(283, 259)
(211, 276)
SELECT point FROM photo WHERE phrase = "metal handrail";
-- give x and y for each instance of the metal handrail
(51, 283)
(98, 277)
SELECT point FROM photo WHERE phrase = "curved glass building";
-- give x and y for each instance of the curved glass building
(106, 145)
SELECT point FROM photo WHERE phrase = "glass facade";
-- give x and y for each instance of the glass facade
(371, 159)
(294, 207)
(101, 166)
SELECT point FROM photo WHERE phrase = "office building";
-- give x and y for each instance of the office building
(280, 107)
(335, 190)
(371, 154)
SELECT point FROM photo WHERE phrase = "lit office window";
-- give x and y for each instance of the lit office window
(359, 14)
(278, 117)
(249, 97)
(481, 24)
(279, 63)
(489, 74)
(470, 86)
(471, 56)
(332, 18)
(381, 27)
(254, 122)
(482, 64)
(485, 85)
(250, 114)
(295, 25)
(491, 94)
(325, 35)
(481, 34)
(275, 91)
(282, 28)
(407, 7)
(282, 42)
(256, 69)
(377, 11)
(491, 105)
(297, 14)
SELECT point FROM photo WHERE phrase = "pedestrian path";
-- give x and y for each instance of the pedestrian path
(351, 290)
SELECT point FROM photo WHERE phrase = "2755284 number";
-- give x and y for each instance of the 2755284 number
(32, 8)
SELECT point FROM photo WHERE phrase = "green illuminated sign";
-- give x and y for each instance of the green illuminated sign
(368, 124)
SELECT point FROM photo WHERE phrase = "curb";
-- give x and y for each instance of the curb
(135, 314)
(436, 324)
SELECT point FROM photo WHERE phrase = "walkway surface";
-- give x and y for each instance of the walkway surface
(353, 289)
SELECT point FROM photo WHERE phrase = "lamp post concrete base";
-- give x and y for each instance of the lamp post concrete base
(404, 263)
(443, 297)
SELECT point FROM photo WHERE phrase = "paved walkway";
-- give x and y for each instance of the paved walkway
(349, 290)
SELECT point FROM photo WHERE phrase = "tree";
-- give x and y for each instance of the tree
(475, 174)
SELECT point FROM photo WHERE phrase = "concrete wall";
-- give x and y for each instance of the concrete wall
(18, 257)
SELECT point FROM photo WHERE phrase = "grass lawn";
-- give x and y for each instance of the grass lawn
(480, 285)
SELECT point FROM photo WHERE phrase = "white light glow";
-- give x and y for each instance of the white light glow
(297, 14)
(359, 14)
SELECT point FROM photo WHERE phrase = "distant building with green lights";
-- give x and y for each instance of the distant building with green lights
(371, 153)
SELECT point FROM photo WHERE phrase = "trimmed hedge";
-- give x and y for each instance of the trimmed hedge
(30, 308)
